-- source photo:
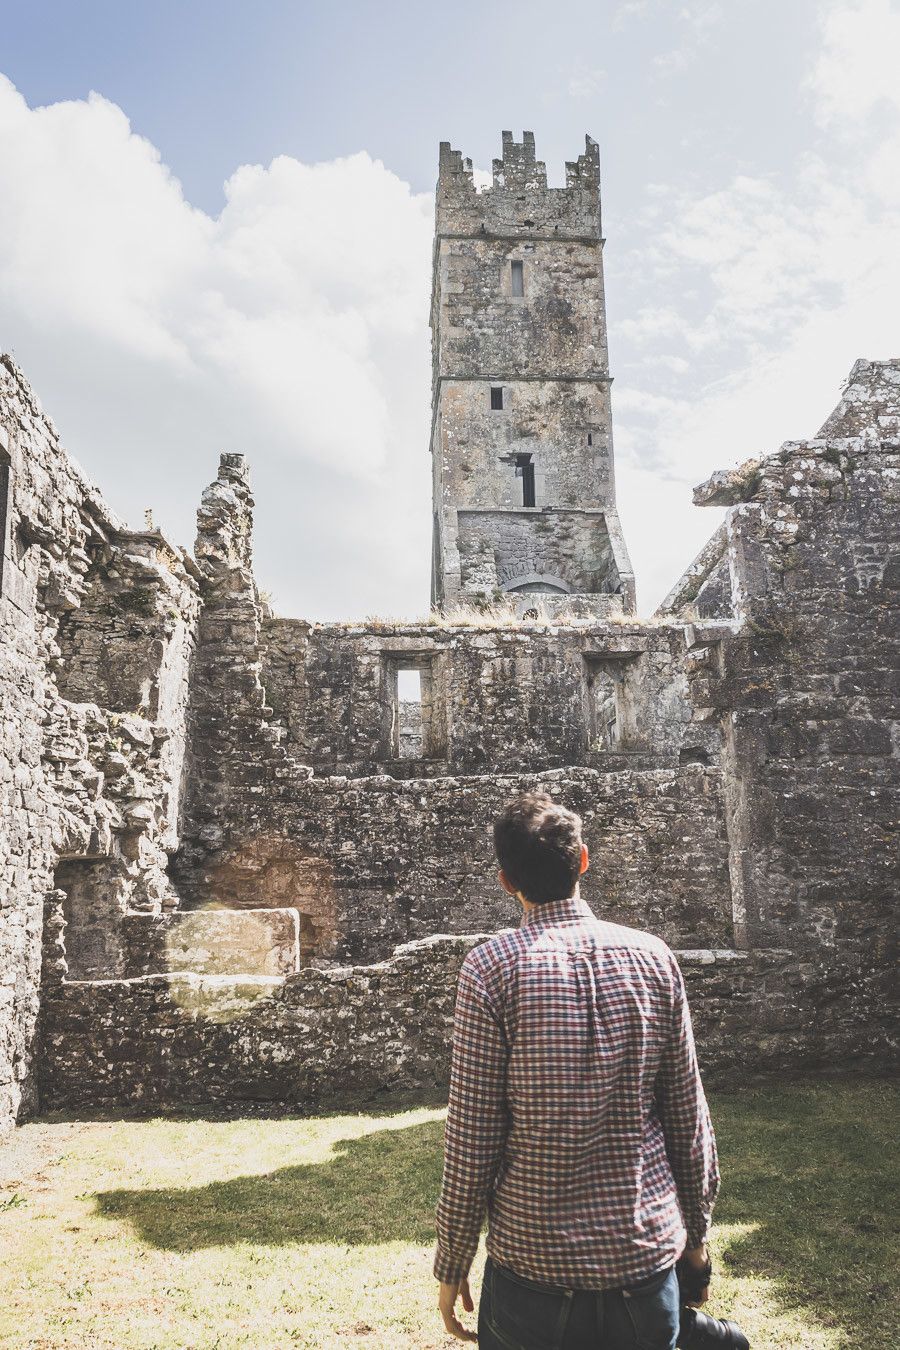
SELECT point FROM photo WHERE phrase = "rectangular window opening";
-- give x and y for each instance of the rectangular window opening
(590, 439)
(496, 398)
(518, 279)
(612, 691)
(525, 471)
(413, 707)
(603, 693)
(408, 712)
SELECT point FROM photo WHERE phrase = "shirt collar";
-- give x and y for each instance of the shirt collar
(558, 911)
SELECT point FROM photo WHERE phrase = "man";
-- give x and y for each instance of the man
(577, 1118)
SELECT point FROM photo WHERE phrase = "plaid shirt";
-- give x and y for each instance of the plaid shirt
(577, 1118)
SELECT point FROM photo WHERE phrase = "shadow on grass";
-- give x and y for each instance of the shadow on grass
(808, 1165)
(814, 1168)
(354, 1104)
(378, 1188)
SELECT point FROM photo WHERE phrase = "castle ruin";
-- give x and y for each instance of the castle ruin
(242, 856)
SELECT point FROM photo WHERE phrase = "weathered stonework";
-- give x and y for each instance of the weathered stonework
(89, 795)
(501, 698)
(348, 1032)
(222, 823)
(524, 493)
(805, 687)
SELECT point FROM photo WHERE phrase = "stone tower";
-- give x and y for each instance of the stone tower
(521, 441)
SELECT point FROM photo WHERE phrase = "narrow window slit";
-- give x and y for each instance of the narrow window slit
(496, 398)
(5, 477)
(517, 273)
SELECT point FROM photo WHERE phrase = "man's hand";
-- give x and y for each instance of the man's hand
(696, 1259)
(447, 1303)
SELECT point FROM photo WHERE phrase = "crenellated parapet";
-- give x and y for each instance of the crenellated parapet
(519, 203)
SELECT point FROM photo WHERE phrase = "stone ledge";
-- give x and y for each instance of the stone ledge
(403, 957)
(356, 1032)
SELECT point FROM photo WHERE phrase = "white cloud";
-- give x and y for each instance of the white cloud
(650, 323)
(292, 326)
(856, 72)
(702, 15)
(768, 289)
(289, 297)
(854, 89)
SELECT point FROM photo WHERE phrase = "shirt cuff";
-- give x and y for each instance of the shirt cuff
(697, 1232)
(447, 1269)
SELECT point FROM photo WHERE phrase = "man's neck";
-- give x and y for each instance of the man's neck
(529, 908)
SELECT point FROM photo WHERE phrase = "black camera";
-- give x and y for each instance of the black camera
(699, 1332)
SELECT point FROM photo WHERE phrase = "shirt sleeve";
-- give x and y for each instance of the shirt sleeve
(686, 1124)
(476, 1127)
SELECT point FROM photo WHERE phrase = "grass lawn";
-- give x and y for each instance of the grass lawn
(317, 1232)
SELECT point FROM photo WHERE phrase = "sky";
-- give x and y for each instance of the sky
(215, 235)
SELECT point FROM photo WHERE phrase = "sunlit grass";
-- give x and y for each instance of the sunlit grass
(318, 1232)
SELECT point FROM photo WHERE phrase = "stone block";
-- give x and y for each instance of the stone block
(243, 942)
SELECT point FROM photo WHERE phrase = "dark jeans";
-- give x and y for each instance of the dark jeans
(517, 1314)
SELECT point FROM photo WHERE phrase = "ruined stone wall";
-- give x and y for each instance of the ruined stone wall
(352, 1032)
(88, 795)
(370, 861)
(735, 763)
(235, 751)
(805, 687)
(215, 941)
(373, 862)
(25, 840)
(504, 698)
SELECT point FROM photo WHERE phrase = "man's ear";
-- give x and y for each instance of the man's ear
(585, 860)
(506, 883)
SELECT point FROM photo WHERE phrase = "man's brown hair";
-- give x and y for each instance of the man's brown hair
(538, 845)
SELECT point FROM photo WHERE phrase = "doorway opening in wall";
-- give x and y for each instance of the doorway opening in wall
(92, 910)
(310, 939)
(408, 714)
(525, 471)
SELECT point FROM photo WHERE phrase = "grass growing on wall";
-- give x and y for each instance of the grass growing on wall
(283, 1232)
